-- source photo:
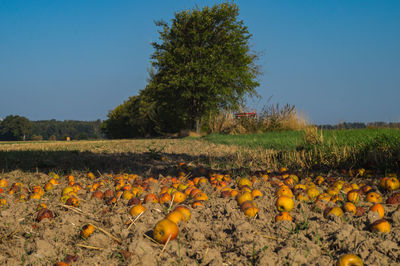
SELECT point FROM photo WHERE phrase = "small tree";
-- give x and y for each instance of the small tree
(15, 128)
(202, 64)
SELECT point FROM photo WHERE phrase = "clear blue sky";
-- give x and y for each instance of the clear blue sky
(66, 59)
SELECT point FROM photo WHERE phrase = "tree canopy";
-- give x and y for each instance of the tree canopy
(201, 64)
(15, 127)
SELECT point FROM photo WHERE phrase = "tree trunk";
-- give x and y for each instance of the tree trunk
(198, 125)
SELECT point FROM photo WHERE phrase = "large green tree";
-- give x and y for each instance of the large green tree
(15, 127)
(202, 63)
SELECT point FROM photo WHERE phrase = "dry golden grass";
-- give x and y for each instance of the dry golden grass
(313, 136)
(295, 121)
(222, 122)
(273, 118)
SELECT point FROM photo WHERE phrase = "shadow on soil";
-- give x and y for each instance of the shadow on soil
(67, 161)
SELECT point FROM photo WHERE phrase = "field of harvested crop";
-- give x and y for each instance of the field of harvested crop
(188, 202)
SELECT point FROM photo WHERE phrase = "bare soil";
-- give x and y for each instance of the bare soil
(217, 234)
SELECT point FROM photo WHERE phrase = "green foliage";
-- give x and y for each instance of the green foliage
(133, 118)
(382, 152)
(326, 149)
(53, 129)
(116, 126)
(290, 140)
(284, 140)
(15, 127)
(202, 64)
(20, 128)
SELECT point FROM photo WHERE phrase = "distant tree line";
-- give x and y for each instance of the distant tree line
(360, 125)
(14, 128)
(60, 130)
